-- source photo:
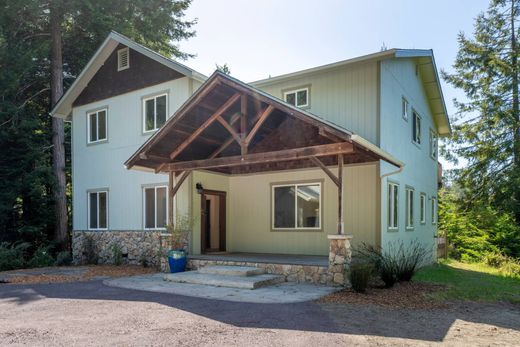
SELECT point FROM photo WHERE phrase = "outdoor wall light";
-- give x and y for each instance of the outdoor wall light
(200, 188)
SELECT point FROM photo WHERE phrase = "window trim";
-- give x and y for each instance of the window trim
(96, 112)
(154, 187)
(409, 208)
(422, 208)
(295, 184)
(143, 101)
(433, 136)
(295, 92)
(405, 114)
(434, 210)
(414, 115)
(119, 52)
(97, 191)
(395, 202)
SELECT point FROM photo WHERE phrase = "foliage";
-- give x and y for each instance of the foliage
(144, 261)
(397, 261)
(41, 258)
(486, 133)
(180, 231)
(223, 68)
(470, 281)
(13, 256)
(90, 250)
(63, 258)
(117, 254)
(360, 274)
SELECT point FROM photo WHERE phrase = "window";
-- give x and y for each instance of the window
(409, 207)
(123, 59)
(298, 97)
(154, 111)
(416, 128)
(296, 206)
(98, 210)
(97, 126)
(393, 203)
(155, 207)
(423, 208)
(404, 109)
(433, 145)
(434, 210)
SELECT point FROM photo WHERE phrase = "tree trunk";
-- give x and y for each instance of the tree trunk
(61, 235)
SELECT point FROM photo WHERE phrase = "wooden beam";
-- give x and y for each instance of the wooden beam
(243, 124)
(222, 147)
(262, 158)
(173, 189)
(206, 124)
(259, 123)
(230, 129)
(326, 170)
(341, 224)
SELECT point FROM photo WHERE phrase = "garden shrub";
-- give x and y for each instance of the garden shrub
(360, 276)
(510, 268)
(117, 254)
(13, 256)
(41, 258)
(63, 258)
(495, 259)
(90, 250)
(143, 261)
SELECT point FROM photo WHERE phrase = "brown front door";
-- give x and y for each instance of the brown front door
(213, 221)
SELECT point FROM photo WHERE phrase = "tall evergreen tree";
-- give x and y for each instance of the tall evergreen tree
(487, 131)
(43, 47)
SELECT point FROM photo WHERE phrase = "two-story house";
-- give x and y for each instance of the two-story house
(276, 166)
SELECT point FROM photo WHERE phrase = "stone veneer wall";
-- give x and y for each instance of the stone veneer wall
(135, 246)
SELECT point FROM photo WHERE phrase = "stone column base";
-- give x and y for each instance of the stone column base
(340, 255)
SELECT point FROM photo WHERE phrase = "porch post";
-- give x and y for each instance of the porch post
(341, 225)
(171, 204)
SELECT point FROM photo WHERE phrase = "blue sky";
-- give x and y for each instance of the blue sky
(272, 37)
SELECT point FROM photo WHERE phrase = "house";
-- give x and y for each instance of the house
(283, 171)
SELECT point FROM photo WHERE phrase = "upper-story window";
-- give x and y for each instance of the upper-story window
(154, 112)
(297, 97)
(404, 109)
(97, 126)
(393, 206)
(416, 128)
(123, 59)
(433, 145)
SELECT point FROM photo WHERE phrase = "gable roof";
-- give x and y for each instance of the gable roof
(64, 106)
(427, 68)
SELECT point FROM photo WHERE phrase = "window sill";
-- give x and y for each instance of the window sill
(410, 228)
(99, 142)
(297, 230)
(393, 230)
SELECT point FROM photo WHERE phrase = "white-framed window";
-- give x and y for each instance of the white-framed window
(433, 145)
(97, 126)
(409, 207)
(123, 59)
(154, 112)
(393, 206)
(416, 128)
(434, 210)
(296, 206)
(422, 203)
(297, 97)
(155, 207)
(404, 108)
(98, 210)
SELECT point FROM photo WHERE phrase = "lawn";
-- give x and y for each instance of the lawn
(464, 281)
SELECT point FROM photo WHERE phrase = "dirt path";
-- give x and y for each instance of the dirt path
(89, 313)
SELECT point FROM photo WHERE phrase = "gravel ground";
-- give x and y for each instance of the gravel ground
(89, 313)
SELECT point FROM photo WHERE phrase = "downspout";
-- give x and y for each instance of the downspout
(399, 170)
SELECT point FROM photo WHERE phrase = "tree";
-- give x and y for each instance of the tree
(487, 131)
(223, 68)
(49, 43)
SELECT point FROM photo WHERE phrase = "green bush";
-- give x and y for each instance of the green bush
(495, 259)
(41, 258)
(117, 254)
(63, 258)
(13, 256)
(360, 276)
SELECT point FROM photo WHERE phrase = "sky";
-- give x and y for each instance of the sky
(272, 37)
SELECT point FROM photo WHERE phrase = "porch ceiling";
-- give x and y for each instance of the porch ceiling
(230, 127)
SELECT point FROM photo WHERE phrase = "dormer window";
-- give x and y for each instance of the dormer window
(297, 97)
(123, 59)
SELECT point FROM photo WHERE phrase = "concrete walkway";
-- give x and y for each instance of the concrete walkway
(288, 292)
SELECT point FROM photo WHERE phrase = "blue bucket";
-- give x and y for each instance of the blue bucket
(177, 261)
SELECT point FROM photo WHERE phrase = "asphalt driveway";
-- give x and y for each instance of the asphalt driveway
(90, 313)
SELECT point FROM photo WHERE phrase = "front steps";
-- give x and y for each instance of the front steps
(242, 277)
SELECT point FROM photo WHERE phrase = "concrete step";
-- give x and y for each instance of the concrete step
(230, 270)
(243, 282)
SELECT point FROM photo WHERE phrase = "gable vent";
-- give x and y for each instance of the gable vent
(123, 59)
